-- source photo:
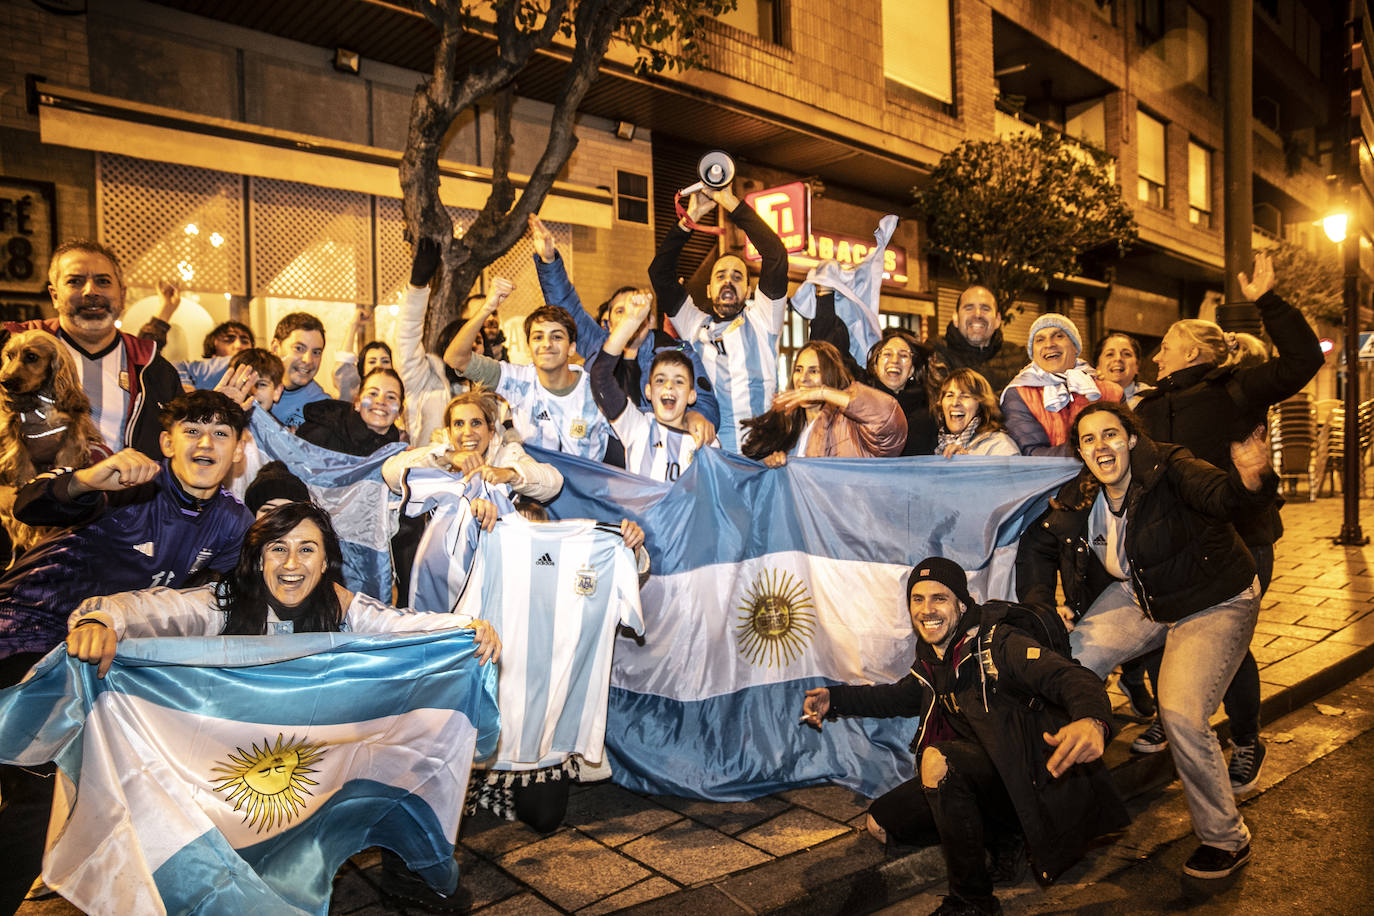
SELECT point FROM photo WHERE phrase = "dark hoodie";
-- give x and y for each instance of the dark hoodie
(998, 361)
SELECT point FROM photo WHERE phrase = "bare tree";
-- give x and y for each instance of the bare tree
(662, 31)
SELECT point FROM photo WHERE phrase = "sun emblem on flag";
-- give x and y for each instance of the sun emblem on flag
(271, 781)
(777, 619)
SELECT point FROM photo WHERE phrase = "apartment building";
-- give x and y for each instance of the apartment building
(231, 147)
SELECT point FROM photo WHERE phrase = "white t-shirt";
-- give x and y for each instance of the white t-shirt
(1107, 535)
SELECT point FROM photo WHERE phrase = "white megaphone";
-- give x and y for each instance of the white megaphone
(716, 170)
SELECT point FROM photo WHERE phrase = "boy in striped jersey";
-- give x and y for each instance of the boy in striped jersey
(656, 444)
(551, 401)
(736, 336)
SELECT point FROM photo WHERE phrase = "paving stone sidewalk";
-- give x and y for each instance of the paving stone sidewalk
(804, 851)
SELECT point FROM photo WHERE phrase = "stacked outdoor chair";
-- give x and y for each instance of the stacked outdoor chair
(1293, 437)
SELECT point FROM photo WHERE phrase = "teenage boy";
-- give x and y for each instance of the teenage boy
(632, 364)
(657, 443)
(735, 334)
(299, 342)
(136, 523)
(551, 401)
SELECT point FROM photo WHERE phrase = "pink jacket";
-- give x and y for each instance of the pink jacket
(872, 426)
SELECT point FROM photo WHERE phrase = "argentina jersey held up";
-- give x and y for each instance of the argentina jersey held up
(556, 592)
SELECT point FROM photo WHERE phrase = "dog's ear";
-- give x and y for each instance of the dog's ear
(71, 397)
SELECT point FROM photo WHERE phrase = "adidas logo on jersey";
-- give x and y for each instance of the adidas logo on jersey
(544, 560)
(1100, 541)
(543, 415)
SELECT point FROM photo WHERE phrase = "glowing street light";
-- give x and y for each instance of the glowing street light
(1334, 227)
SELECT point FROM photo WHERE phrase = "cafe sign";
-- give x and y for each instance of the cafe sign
(787, 211)
(28, 235)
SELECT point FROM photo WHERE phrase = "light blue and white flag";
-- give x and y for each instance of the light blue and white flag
(857, 291)
(445, 554)
(236, 774)
(769, 582)
(351, 490)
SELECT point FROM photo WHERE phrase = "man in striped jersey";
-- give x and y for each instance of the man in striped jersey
(551, 401)
(737, 338)
(656, 443)
(125, 377)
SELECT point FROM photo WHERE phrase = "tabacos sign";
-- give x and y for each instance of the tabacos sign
(787, 211)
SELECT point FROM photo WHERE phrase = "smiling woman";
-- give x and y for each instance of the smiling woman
(365, 425)
(289, 579)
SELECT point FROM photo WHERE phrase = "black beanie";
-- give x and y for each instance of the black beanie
(274, 481)
(946, 572)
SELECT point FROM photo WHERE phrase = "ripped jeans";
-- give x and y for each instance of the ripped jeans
(970, 806)
(1201, 654)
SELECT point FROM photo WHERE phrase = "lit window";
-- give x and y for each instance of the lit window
(1150, 170)
(1199, 186)
(917, 47)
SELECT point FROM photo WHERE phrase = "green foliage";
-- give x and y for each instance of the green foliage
(666, 33)
(1010, 214)
(1314, 282)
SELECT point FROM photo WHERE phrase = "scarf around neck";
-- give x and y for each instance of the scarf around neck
(1058, 389)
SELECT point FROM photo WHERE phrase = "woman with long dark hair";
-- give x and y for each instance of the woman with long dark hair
(289, 579)
(824, 413)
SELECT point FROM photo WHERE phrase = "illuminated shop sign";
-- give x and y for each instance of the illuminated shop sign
(787, 211)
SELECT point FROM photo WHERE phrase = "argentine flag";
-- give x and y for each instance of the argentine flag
(350, 489)
(766, 583)
(236, 774)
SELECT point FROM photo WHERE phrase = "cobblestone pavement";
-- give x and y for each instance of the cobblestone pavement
(801, 850)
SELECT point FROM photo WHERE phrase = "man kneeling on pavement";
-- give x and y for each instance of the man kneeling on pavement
(1009, 744)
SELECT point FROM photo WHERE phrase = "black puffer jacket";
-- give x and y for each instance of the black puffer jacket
(337, 426)
(1205, 408)
(1185, 556)
(998, 361)
(1012, 689)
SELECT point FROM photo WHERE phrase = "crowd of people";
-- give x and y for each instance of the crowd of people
(1162, 543)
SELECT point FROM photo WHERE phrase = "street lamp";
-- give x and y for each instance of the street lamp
(1334, 227)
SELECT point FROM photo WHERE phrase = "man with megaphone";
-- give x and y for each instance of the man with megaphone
(737, 335)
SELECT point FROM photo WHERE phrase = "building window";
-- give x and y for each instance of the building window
(632, 197)
(1150, 187)
(1149, 22)
(1197, 44)
(757, 17)
(1199, 186)
(917, 49)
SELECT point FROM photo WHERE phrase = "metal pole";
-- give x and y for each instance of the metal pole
(1350, 248)
(1237, 161)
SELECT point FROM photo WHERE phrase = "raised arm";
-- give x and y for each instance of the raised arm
(668, 289)
(773, 272)
(1300, 353)
(459, 352)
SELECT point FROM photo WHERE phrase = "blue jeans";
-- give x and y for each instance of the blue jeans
(1201, 655)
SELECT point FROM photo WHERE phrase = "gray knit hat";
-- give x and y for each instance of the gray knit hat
(1052, 320)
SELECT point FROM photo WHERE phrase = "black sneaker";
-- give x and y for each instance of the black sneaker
(401, 884)
(954, 905)
(1138, 698)
(1211, 862)
(1009, 861)
(1152, 740)
(1246, 761)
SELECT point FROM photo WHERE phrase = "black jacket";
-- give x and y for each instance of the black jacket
(1206, 408)
(335, 425)
(998, 361)
(1011, 689)
(1185, 556)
